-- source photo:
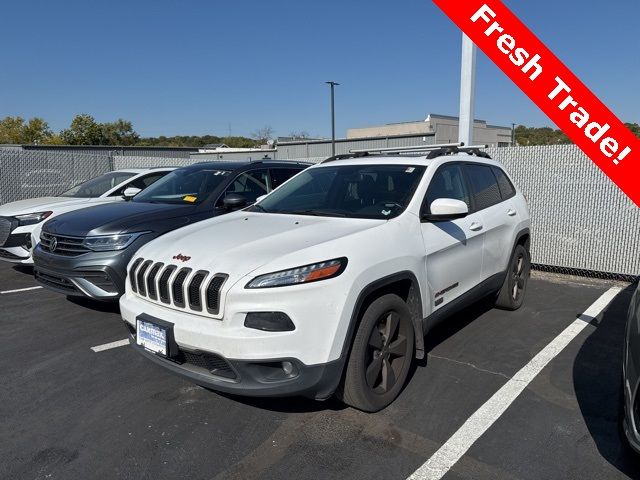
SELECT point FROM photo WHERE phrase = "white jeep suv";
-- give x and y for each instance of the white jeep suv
(330, 283)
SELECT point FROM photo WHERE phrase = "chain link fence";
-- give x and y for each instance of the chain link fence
(582, 224)
(31, 174)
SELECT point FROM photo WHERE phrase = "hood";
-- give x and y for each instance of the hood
(241, 242)
(122, 217)
(41, 204)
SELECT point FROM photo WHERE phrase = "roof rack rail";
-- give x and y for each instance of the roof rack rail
(437, 150)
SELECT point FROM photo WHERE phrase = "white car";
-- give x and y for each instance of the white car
(330, 283)
(21, 221)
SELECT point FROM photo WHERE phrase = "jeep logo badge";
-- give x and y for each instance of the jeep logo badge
(54, 244)
(182, 258)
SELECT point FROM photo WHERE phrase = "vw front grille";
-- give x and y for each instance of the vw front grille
(177, 287)
(63, 245)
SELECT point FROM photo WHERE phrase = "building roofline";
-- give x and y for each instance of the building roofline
(380, 137)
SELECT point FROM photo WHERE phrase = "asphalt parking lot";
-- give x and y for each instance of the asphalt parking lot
(69, 412)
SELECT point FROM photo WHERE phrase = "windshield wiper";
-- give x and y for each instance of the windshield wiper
(316, 213)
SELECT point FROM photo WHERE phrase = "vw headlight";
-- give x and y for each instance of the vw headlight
(305, 274)
(105, 243)
(31, 218)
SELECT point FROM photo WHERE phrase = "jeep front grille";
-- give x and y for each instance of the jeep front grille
(151, 281)
(64, 245)
(164, 283)
(132, 278)
(177, 287)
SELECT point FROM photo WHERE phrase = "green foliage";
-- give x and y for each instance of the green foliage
(634, 127)
(84, 130)
(15, 130)
(196, 141)
(540, 136)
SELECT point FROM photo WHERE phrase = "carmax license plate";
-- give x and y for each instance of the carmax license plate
(152, 337)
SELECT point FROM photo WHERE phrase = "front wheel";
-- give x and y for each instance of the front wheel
(511, 295)
(381, 355)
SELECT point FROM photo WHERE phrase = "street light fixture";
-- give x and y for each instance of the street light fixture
(333, 118)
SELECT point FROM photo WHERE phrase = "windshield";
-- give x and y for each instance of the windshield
(99, 185)
(183, 186)
(357, 191)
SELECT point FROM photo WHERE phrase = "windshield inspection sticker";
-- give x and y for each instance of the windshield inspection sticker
(409, 170)
(552, 87)
(386, 212)
(189, 198)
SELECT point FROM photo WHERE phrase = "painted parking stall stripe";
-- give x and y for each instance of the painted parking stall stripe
(478, 423)
(109, 346)
(18, 290)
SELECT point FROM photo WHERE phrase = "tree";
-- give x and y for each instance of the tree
(11, 129)
(84, 130)
(120, 132)
(15, 130)
(526, 136)
(634, 127)
(36, 131)
(263, 134)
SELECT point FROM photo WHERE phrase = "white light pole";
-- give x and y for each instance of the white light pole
(467, 91)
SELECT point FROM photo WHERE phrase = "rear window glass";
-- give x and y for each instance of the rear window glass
(507, 190)
(484, 184)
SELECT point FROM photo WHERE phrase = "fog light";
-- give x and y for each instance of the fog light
(287, 368)
(269, 321)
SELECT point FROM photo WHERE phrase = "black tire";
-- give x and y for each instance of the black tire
(381, 355)
(511, 295)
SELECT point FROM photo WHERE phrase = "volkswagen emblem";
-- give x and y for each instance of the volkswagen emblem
(54, 244)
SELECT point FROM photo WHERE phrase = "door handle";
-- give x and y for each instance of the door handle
(475, 226)
(511, 212)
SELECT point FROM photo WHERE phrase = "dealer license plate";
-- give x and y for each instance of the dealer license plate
(152, 337)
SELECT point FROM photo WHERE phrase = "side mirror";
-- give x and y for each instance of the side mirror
(259, 199)
(444, 209)
(130, 192)
(233, 201)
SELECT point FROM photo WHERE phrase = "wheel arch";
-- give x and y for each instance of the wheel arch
(523, 237)
(406, 286)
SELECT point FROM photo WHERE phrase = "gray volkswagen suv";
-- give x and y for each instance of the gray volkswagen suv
(86, 252)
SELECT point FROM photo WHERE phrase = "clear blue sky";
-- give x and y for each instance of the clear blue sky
(198, 66)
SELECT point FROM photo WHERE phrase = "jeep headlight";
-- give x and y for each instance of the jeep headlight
(305, 274)
(105, 243)
(31, 218)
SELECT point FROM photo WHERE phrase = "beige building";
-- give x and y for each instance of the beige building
(444, 127)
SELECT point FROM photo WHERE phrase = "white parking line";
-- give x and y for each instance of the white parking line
(19, 290)
(108, 346)
(478, 423)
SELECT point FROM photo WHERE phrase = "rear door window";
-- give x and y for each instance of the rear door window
(484, 185)
(507, 190)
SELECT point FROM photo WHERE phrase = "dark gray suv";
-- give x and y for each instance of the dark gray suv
(86, 252)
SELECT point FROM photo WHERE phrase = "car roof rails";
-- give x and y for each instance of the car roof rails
(434, 151)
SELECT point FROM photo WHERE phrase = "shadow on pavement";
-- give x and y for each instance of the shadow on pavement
(24, 269)
(287, 404)
(597, 375)
(106, 307)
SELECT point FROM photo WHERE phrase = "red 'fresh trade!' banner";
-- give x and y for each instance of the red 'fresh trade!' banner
(552, 86)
